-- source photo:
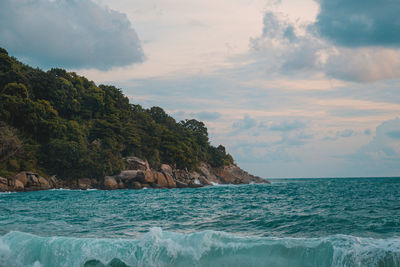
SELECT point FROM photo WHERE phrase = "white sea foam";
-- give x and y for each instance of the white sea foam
(207, 248)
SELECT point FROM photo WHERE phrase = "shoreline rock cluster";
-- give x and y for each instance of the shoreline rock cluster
(137, 175)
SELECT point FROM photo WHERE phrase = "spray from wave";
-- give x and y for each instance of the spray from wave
(208, 248)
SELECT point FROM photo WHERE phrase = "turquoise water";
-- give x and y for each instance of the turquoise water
(290, 222)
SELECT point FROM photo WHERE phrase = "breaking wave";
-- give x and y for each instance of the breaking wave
(207, 248)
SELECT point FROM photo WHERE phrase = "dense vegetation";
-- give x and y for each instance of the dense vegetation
(57, 122)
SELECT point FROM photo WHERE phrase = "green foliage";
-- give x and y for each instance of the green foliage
(73, 128)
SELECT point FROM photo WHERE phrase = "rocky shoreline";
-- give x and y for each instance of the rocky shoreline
(137, 175)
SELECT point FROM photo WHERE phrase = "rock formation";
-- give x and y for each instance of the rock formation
(137, 175)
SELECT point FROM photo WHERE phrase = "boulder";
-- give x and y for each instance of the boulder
(130, 176)
(4, 184)
(231, 174)
(170, 180)
(95, 183)
(19, 186)
(165, 168)
(44, 184)
(161, 180)
(110, 183)
(203, 180)
(54, 183)
(194, 175)
(84, 183)
(33, 179)
(4, 187)
(180, 184)
(181, 175)
(150, 177)
(207, 171)
(136, 185)
(135, 163)
(22, 177)
(3, 181)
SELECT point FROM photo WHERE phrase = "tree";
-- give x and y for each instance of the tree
(73, 128)
(10, 144)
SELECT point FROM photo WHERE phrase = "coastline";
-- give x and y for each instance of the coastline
(137, 175)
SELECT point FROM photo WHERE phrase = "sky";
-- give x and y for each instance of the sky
(291, 88)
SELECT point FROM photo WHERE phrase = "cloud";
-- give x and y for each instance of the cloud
(262, 152)
(345, 112)
(295, 49)
(244, 124)
(345, 133)
(68, 33)
(363, 64)
(283, 49)
(297, 139)
(382, 154)
(359, 23)
(206, 115)
(394, 134)
(286, 126)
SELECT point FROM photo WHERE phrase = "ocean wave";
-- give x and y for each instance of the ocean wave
(77, 190)
(207, 248)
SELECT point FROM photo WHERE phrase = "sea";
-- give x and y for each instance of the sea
(290, 222)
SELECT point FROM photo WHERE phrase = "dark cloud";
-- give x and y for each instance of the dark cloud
(394, 134)
(68, 33)
(291, 48)
(358, 23)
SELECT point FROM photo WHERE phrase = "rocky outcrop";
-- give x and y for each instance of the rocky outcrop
(18, 186)
(110, 183)
(137, 175)
(28, 181)
(134, 163)
(166, 169)
(232, 174)
(3, 184)
(87, 183)
(171, 182)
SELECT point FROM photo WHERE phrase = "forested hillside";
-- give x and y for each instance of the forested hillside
(57, 122)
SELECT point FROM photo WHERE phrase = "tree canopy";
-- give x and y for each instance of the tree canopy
(58, 122)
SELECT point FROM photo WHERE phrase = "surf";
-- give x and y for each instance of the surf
(206, 248)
